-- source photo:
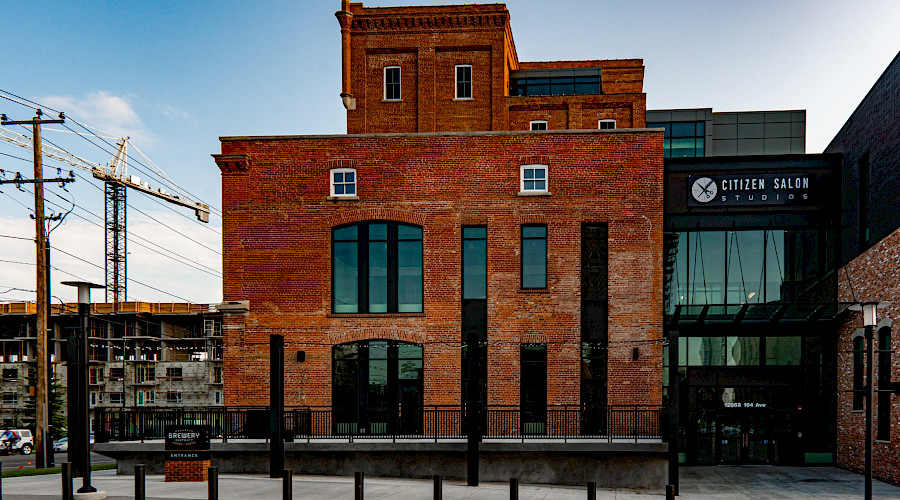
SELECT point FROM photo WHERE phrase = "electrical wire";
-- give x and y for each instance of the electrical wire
(90, 130)
(174, 256)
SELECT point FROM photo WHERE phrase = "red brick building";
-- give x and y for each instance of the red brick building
(280, 220)
(458, 214)
(455, 68)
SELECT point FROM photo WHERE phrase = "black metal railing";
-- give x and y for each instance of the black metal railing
(609, 423)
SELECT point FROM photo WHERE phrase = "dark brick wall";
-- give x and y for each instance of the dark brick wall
(873, 128)
(277, 243)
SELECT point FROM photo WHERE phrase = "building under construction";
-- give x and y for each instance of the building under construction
(145, 355)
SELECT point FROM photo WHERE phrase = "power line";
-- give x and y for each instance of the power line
(175, 256)
(159, 176)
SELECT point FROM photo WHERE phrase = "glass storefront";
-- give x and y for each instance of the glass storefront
(746, 267)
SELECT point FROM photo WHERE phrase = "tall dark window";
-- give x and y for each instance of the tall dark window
(474, 314)
(377, 387)
(863, 216)
(859, 353)
(884, 378)
(534, 256)
(377, 268)
(464, 81)
(594, 337)
(392, 83)
(533, 384)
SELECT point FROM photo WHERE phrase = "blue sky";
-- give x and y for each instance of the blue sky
(175, 76)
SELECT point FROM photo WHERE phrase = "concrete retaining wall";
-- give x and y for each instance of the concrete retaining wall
(610, 465)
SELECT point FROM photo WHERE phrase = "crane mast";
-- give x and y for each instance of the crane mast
(116, 180)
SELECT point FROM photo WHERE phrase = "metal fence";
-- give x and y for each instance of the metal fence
(609, 423)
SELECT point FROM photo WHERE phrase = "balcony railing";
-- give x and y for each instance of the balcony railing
(611, 423)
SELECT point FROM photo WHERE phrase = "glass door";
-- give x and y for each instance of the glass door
(744, 438)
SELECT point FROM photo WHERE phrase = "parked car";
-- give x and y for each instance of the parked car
(61, 445)
(16, 441)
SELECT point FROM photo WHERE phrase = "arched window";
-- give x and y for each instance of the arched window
(376, 268)
(377, 387)
(884, 378)
(859, 353)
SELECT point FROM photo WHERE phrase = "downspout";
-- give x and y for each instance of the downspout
(344, 18)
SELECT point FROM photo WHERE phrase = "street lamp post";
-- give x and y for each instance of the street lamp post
(78, 376)
(870, 319)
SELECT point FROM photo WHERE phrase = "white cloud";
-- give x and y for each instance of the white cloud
(110, 113)
(85, 242)
(176, 114)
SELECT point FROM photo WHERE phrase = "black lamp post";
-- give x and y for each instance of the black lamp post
(79, 419)
(870, 319)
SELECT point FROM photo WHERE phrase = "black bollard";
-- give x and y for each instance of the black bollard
(438, 487)
(592, 490)
(140, 490)
(513, 488)
(358, 486)
(670, 492)
(287, 492)
(67, 473)
(213, 483)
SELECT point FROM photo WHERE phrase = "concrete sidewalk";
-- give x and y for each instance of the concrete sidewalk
(697, 483)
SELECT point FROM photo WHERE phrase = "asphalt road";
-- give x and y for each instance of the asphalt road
(11, 462)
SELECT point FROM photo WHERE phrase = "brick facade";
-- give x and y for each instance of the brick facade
(427, 42)
(873, 276)
(187, 470)
(277, 224)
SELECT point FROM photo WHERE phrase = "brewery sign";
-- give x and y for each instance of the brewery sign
(751, 189)
(187, 442)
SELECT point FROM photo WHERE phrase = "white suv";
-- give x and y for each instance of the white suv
(16, 440)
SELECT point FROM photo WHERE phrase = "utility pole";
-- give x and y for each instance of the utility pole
(43, 384)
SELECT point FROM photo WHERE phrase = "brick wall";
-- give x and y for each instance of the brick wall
(873, 276)
(187, 470)
(428, 41)
(277, 244)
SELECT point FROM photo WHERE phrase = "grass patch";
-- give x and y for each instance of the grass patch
(51, 470)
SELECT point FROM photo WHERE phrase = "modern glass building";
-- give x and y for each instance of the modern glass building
(750, 289)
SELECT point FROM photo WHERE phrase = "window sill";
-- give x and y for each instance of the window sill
(534, 193)
(883, 441)
(376, 315)
(534, 290)
(342, 198)
(392, 100)
(463, 98)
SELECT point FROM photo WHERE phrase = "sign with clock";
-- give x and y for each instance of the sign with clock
(751, 190)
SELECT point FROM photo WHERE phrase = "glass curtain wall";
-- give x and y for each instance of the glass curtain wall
(745, 267)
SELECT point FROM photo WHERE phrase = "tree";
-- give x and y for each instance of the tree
(56, 411)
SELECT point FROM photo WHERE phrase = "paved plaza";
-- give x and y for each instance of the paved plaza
(698, 483)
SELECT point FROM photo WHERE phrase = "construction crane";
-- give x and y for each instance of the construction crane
(116, 179)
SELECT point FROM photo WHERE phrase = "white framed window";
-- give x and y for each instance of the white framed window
(10, 398)
(392, 83)
(533, 179)
(115, 398)
(606, 124)
(173, 397)
(343, 182)
(537, 125)
(146, 398)
(464, 81)
(217, 397)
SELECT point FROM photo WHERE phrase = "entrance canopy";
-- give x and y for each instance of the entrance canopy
(755, 314)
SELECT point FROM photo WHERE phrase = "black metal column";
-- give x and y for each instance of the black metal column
(870, 400)
(673, 410)
(83, 460)
(276, 405)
